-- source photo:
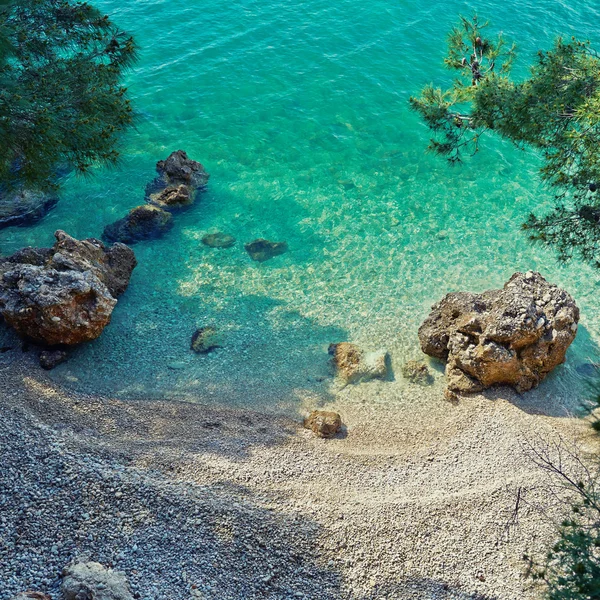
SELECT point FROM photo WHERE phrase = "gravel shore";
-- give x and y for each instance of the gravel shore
(194, 502)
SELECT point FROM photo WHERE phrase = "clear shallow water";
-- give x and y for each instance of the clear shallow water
(300, 113)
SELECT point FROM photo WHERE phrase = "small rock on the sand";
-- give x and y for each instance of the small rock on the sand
(91, 580)
(31, 596)
(177, 365)
(218, 240)
(204, 340)
(52, 358)
(353, 364)
(261, 250)
(324, 424)
(417, 371)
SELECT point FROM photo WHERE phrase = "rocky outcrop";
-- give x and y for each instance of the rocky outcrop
(142, 223)
(323, 424)
(261, 250)
(64, 294)
(514, 336)
(173, 197)
(353, 365)
(178, 169)
(92, 581)
(24, 206)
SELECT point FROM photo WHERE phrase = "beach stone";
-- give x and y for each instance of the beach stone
(261, 250)
(218, 240)
(513, 336)
(204, 340)
(324, 424)
(417, 372)
(178, 169)
(173, 197)
(92, 581)
(354, 365)
(30, 595)
(63, 295)
(52, 358)
(24, 206)
(142, 223)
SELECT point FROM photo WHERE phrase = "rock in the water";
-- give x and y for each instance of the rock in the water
(92, 581)
(514, 336)
(417, 372)
(24, 206)
(179, 169)
(173, 197)
(218, 240)
(204, 340)
(142, 223)
(324, 424)
(354, 364)
(52, 358)
(261, 250)
(64, 294)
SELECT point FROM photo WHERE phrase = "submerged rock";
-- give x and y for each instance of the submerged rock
(24, 206)
(49, 359)
(354, 364)
(92, 581)
(142, 223)
(204, 340)
(64, 294)
(417, 372)
(514, 336)
(261, 250)
(218, 240)
(322, 423)
(173, 197)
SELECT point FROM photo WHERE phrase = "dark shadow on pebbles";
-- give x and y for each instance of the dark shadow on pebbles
(423, 589)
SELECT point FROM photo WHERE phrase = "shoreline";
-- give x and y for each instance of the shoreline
(413, 502)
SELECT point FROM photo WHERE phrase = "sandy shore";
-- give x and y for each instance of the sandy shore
(413, 501)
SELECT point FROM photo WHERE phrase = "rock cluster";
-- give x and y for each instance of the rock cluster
(176, 185)
(322, 423)
(514, 336)
(353, 364)
(63, 295)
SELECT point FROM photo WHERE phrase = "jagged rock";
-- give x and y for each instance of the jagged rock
(64, 294)
(30, 595)
(142, 223)
(324, 424)
(49, 359)
(218, 240)
(417, 372)
(514, 336)
(204, 340)
(92, 581)
(179, 169)
(261, 250)
(354, 364)
(173, 197)
(23, 206)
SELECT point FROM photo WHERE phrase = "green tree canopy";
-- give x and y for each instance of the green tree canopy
(61, 98)
(556, 110)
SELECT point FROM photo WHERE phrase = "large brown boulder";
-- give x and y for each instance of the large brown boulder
(64, 294)
(514, 336)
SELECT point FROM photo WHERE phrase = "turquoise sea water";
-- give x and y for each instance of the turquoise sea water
(299, 111)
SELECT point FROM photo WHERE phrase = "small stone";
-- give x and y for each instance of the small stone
(218, 240)
(324, 424)
(417, 372)
(52, 358)
(261, 250)
(31, 595)
(177, 365)
(204, 340)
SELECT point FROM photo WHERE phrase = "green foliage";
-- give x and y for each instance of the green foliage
(556, 110)
(61, 100)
